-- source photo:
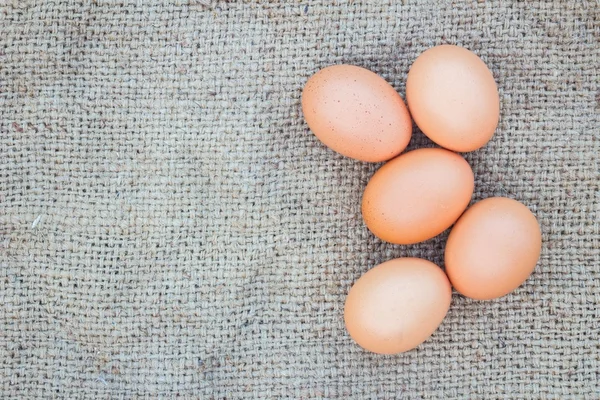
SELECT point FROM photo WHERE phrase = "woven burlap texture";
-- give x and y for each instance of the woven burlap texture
(170, 226)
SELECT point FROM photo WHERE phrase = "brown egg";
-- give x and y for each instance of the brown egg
(356, 113)
(493, 248)
(397, 305)
(417, 195)
(452, 97)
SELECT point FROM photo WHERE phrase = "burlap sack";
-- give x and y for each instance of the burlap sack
(171, 228)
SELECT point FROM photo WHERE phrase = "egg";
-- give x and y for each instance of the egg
(397, 305)
(356, 113)
(453, 98)
(417, 195)
(493, 248)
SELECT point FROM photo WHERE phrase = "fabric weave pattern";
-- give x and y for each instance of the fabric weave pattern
(169, 227)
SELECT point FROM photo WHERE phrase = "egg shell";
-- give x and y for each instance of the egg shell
(493, 248)
(397, 305)
(356, 113)
(417, 195)
(453, 98)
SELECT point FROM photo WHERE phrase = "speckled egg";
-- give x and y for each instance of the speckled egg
(356, 113)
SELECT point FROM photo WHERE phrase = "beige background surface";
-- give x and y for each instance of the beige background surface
(170, 227)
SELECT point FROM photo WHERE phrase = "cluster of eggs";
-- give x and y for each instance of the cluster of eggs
(493, 246)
